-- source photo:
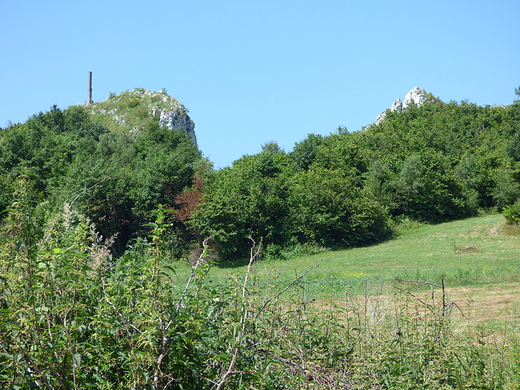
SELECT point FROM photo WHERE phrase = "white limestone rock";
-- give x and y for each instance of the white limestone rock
(397, 105)
(380, 118)
(415, 96)
(179, 119)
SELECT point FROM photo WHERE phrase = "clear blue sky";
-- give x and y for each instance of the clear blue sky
(251, 72)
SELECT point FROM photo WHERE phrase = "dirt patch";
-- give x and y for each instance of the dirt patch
(494, 232)
(466, 249)
(495, 305)
(488, 303)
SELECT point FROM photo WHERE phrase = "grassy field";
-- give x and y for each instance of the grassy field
(469, 252)
(407, 330)
(478, 259)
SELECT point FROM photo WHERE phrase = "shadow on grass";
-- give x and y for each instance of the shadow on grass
(291, 252)
(232, 263)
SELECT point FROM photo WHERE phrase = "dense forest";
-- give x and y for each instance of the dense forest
(89, 213)
(434, 162)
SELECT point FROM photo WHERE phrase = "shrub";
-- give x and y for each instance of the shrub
(273, 252)
(512, 213)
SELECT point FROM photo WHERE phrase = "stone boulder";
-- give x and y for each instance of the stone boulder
(179, 119)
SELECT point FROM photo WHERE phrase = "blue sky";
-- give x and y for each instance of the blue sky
(251, 72)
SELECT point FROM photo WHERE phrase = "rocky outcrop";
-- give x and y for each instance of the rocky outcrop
(134, 110)
(416, 96)
(397, 105)
(179, 119)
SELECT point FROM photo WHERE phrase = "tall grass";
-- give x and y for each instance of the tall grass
(73, 317)
(408, 340)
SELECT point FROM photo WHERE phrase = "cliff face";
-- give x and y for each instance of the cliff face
(415, 96)
(178, 119)
(134, 110)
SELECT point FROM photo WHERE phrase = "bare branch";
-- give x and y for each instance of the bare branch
(192, 276)
(287, 288)
(252, 257)
(166, 340)
(420, 282)
(255, 252)
(91, 187)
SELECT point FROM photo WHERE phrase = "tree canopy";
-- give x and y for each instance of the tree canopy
(434, 162)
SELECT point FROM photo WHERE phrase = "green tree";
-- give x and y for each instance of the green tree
(507, 189)
(328, 209)
(127, 177)
(304, 152)
(426, 189)
(247, 200)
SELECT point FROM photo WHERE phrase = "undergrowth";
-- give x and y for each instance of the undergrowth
(73, 317)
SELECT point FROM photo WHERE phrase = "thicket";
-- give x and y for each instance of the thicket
(437, 162)
(114, 177)
(74, 317)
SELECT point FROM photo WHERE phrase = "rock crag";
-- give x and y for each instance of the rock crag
(134, 110)
(415, 96)
(179, 119)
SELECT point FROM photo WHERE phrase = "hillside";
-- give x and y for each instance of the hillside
(135, 110)
(474, 251)
(115, 161)
(429, 162)
(120, 159)
(127, 261)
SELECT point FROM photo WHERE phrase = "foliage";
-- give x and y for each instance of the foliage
(456, 150)
(304, 152)
(247, 200)
(116, 178)
(328, 209)
(512, 213)
(75, 317)
(95, 216)
(431, 163)
(414, 344)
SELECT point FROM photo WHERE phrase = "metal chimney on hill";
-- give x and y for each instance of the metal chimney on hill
(89, 101)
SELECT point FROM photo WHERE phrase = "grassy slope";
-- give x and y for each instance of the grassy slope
(469, 252)
(478, 258)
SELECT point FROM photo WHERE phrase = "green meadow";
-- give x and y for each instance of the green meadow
(470, 252)
(435, 307)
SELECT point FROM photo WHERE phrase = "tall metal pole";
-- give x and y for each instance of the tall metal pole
(89, 101)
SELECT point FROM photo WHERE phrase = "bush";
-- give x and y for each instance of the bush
(74, 317)
(273, 252)
(512, 213)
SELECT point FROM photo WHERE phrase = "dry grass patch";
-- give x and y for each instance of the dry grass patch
(487, 304)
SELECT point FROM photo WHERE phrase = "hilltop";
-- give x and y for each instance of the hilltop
(136, 109)
(115, 161)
